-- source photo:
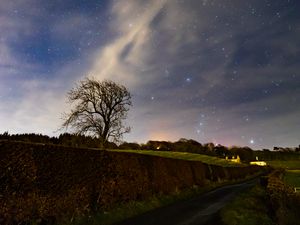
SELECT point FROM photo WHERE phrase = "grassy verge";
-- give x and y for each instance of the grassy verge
(186, 156)
(134, 208)
(285, 164)
(247, 209)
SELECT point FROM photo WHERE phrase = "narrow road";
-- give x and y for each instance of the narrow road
(202, 209)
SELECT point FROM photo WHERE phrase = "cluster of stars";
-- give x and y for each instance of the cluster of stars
(225, 68)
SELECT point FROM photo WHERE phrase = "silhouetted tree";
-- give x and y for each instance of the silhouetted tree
(99, 110)
(209, 146)
(222, 151)
(245, 153)
(187, 145)
(130, 145)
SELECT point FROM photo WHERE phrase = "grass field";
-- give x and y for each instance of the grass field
(292, 171)
(292, 177)
(289, 164)
(187, 156)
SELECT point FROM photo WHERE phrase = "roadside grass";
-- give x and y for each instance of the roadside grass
(134, 208)
(186, 156)
(292, 177)
(285, 164)
(248, 208)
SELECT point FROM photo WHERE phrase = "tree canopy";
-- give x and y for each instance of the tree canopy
(98, 108)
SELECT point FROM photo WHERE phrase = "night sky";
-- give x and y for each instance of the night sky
(222, 71)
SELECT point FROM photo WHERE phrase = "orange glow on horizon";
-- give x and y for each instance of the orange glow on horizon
(160, 136)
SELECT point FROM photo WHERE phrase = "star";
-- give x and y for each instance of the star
(242, 58)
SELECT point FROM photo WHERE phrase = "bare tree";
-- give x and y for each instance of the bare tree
(99, 109)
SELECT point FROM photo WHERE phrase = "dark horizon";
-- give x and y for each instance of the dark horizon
(223, 71)
(59, 139)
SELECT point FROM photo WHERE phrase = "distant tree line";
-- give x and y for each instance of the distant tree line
(246, 154)
(66, 139)
(267, 154)
(192, 146)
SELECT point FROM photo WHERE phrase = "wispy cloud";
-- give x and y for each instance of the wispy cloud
(197, 69)
(30, 100)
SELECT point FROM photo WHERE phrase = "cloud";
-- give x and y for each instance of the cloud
(179, 59)
(153, 45)
(127, 55)
(30, 100)
(149, 38)
(158, 37)
(11, 28)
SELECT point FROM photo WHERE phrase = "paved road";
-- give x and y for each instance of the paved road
(199, 210)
